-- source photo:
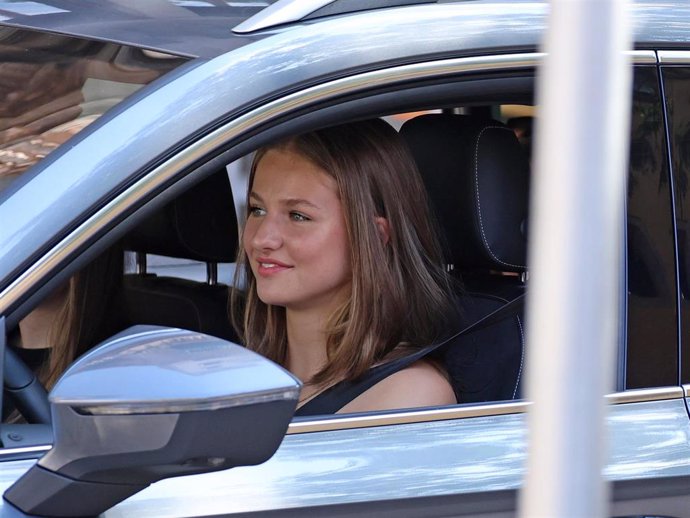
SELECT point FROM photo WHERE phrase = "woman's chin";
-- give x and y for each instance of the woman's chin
(272, 298)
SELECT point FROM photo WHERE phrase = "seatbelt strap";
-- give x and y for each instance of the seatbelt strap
(336, 397)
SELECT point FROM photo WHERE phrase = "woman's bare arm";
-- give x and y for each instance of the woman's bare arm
(419, 385)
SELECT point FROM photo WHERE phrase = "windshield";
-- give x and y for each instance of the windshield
(53, 86)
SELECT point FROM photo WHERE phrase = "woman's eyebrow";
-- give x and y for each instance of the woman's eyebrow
(293, 202)
(288, 202)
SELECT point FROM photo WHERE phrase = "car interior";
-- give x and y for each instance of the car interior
(481, 204)
(201, 226)
(468, 139)
(477, 174)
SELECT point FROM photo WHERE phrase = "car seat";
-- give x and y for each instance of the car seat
(477, 177)
(200, 225)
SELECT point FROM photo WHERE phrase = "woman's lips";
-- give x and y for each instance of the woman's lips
(267, 267)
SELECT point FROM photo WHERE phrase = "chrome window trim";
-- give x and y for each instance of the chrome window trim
(263, 114)
(465, 412)
(686, 390)
(645, 395)
(38, 450)
(428, 415)
(674, 57)
(643, 57)
(406, 417)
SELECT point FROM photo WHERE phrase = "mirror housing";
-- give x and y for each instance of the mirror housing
(152, 403)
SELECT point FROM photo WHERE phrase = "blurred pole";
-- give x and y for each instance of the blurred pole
(577, 218)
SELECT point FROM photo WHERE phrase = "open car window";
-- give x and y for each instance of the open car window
(153, 265)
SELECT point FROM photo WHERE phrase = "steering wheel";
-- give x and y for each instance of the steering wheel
(27, 393)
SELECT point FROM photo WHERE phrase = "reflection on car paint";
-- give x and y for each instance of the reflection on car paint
(390, 462)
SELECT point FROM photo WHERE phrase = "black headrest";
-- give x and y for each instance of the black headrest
(477, 176)
(200, 225)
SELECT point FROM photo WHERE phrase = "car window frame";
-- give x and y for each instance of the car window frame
(295, 111)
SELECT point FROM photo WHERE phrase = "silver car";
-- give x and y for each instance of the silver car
(116, 118)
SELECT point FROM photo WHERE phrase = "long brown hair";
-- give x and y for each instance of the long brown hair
(90, 313)
(400, 294)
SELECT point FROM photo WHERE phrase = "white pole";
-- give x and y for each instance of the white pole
(577, 217)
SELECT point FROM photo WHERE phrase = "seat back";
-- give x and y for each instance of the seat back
(200, 225)
(477, 178)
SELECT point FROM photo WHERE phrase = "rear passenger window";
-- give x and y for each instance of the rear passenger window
(677, 90)
(652, 354)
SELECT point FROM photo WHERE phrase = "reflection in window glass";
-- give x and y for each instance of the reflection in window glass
(652, 352)
(677, 89)
(52, 87)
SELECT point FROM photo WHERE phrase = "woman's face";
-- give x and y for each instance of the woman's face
(295, 235)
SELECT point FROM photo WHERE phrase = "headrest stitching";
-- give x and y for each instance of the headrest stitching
(522, 356)
(476, 190)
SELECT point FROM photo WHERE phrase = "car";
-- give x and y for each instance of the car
(117, 118)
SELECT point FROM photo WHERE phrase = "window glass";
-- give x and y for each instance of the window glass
(51, 87)
(652, 355)
(677, 89)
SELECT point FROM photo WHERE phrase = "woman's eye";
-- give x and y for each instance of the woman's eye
(296, 216)
(256, 211)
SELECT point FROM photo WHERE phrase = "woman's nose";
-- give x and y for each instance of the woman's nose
(267, 234)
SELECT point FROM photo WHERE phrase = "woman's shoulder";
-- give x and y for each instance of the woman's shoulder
(419, 385)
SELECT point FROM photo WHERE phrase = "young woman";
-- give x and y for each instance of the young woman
(76, 317)
(344, 267)
(83, 312)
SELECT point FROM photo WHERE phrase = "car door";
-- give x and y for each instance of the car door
(469, 458)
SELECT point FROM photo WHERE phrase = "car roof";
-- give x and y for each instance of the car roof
(205, 28)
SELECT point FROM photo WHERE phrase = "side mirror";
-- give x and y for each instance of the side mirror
(152, 403)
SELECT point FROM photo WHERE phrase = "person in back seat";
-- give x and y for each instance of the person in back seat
(77, 316)
(343, 266)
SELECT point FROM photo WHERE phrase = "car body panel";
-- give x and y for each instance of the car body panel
(450, 457)
(204, 28)
(423, 459)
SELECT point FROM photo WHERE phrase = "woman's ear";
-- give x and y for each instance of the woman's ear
(384, 229)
